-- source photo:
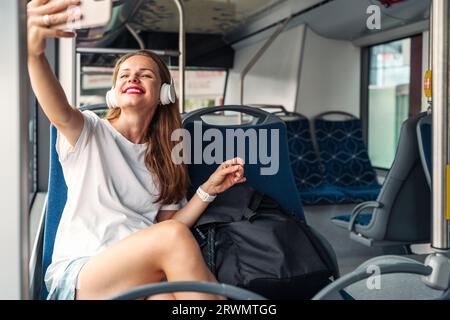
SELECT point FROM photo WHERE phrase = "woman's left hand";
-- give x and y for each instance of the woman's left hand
(226, 175)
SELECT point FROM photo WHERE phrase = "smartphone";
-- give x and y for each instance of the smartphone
(95, 13)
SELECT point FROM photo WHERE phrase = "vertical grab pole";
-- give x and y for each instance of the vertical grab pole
(439, 57)
(182, 58)
(78, 79)
(439, 259)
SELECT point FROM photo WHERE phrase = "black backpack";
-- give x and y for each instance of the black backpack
(248, 241)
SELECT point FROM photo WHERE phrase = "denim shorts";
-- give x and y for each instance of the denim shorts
(64, 288)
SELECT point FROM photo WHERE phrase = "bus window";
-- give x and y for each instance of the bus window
(204, 88)
(388, 99)
(95, 82)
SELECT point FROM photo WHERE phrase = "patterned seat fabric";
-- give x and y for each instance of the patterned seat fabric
(345, 158)
(342, 173)
(344, 154)
(306, 166)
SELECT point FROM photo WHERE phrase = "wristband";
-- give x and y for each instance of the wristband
(205, 197)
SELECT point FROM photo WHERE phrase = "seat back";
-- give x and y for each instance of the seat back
(342, 150)
(264, 135)
(424, 134)
(405, 196)
(56, 200)
(306, 166)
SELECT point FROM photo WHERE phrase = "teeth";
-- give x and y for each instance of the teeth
(133, 91)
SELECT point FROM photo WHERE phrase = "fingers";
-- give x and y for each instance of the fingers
(238, 175)
(234, 173)
(229, 173)
(241, 180)
(231, 169)
(236, 179)
(237, 160)
(56, 33)
(235, 165)
(36, 3)
(240, 171)
(52, 7)
(55, 19)
(233, 161)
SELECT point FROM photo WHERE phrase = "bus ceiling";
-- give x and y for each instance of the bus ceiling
(213, 27)
(337, 19)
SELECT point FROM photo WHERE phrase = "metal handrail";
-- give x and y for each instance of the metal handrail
(181, 58)
(439, 52)
(169, 53)
(188, 286)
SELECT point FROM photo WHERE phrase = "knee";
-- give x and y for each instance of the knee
(175, 242)
(174, 232)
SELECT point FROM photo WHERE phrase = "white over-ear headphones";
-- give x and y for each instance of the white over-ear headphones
(167, 95)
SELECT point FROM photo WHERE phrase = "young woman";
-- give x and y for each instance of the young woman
(126, 221)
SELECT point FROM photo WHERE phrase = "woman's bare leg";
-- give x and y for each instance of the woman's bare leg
(164, 250)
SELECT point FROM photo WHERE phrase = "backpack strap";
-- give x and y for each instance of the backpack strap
(200, 236)
(256, 201)
(210, 252)
(252, 210)
(206, 238)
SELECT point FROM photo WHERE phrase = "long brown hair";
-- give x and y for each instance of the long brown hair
(172, 179)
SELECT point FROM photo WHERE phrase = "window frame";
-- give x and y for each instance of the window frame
(365, 80)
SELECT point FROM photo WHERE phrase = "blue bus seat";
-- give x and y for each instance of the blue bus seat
(280, 186)
(306, 165)
(401, 214)
(56, 200)
(344, 155)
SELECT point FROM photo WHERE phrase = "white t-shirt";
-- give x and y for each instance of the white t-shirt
(110, 194)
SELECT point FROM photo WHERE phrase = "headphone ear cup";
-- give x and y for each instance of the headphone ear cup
(168, 95)
(111, 100)
(164, 94)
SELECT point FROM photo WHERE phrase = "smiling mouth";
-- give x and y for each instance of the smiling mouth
(133, 90)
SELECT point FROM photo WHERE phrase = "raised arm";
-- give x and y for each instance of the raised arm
(48, 90)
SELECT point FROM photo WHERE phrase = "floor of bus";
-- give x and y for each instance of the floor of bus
(350, 253)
